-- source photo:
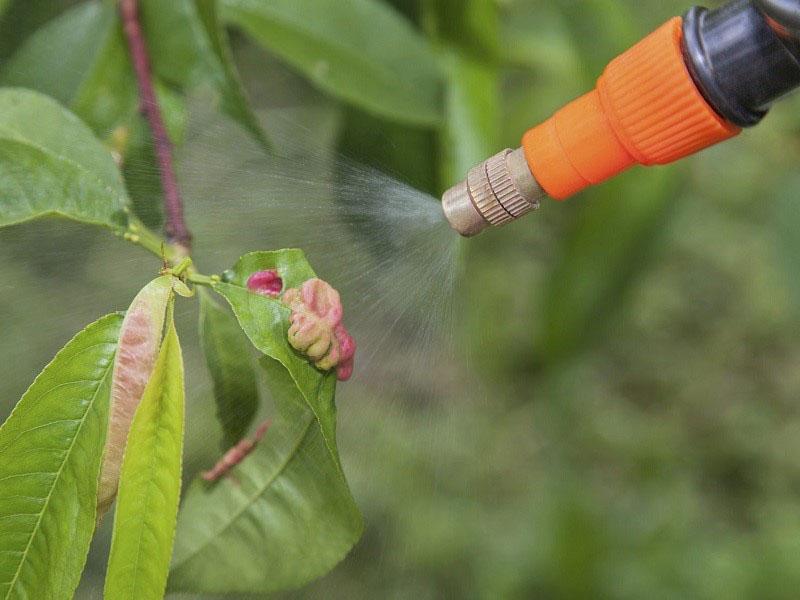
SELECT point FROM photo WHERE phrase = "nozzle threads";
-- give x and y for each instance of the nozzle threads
(479, 181)
(497, 191)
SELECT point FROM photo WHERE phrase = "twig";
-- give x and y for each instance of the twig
(175, 228)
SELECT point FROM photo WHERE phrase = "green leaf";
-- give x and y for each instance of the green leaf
(21, 18)
(51, 164)
(472, 98)
(266, 322)
(228, 356)
(80, 59)
(139, 343)
(611, 241)
(599, 45)
(188, 46)
(472, 116)
(334, 43)
(149, 489)
(471, 27)
(142, 175)
(285, 516)
(50, 451)
(174, 41)
(234, 97)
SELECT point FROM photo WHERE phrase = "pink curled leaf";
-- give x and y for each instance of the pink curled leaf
(236, 454)
(139, 343)
(347, 351)
(316, 327)
(267, 283)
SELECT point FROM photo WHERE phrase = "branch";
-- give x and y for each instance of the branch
(175, 227)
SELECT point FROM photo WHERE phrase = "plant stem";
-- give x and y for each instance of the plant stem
(172, 254)
(175, 228)
(200, 279)
(138, 234)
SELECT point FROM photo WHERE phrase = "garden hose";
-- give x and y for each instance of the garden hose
(694, 82)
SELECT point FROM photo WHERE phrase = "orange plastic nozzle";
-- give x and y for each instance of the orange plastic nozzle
(646, 109)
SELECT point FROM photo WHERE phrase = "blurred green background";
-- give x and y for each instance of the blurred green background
(628, 426)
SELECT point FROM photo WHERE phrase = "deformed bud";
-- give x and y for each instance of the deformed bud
(316, 327)
(347, 351)
(267, 283)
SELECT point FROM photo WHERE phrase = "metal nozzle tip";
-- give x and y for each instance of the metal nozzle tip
(461, 212)
(497, 191)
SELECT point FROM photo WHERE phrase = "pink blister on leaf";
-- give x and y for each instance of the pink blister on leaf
(316, 327)
(267, 283)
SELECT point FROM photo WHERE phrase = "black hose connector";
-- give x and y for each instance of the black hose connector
(743, 58)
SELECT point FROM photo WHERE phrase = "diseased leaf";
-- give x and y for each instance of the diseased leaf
(144, 521)
(50, 452)
(228, 356)
(284, 517)
(290, 263)
(51, 164)
(266, 322)
(394, 74)
(80, 59)
(139, 343)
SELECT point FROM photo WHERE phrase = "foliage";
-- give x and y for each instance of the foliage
(147, 506)
(115, 394)
(57, 528)
(137, 351)
(51, 447)
(227, 355)
(218, 550)
(632, 432)
(52, 164)
(332, 42)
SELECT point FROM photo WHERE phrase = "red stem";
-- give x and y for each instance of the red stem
(175, 226)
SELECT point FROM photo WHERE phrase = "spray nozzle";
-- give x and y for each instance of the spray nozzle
(692, 83)
(496, 191)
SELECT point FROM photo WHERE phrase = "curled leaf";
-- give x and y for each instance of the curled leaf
(316, 327)
(149, 488)
(139, 343)
(236, 454)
